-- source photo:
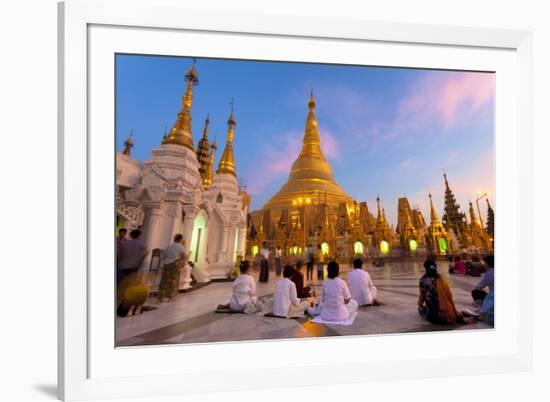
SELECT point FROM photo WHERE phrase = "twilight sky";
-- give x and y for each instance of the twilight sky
(386, 131)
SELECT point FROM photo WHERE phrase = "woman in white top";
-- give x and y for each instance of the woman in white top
(285, 300)
(244, 292)
(360, 285)
(337, 304)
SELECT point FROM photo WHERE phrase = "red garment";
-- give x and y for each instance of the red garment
(460, 267)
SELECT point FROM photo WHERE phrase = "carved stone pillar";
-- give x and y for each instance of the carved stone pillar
(176, 223)
(223, 248)
(188, 223)
(153, 233)
(241, 240)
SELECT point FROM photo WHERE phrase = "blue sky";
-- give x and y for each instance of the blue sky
(386, 131)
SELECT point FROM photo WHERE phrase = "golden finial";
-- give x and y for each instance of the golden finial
(311, 102)
(129, 144)
(227, 162)
(181, 133)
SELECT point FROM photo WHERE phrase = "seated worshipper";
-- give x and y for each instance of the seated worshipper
(298, 279)
(336, 301)
(486, 281)
(173, 261)
(360, 285)
(244, 293)
(459, 267)
(435, 302)
(474, 267)
(285, 300)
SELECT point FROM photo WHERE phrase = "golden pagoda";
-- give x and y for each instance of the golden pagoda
(311, 175)
(480, 238)
(437, 239)
(408, 236)
(181, 133)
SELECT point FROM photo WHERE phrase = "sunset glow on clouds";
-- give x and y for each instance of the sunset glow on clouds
(386, 131)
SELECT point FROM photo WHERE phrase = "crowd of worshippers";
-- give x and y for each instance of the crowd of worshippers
(338, 300)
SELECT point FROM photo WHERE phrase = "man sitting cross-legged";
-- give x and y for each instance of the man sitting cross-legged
(285, 300)
(360, 285)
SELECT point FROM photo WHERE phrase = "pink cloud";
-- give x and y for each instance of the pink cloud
(447, 99)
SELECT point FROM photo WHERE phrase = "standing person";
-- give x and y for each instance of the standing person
(285, 300)
(309, 262)
(174, 259)
(486, 281)
(298, 279)
(320, 260)
(131, 256)
(120, 239)
(360, 285)
(244, 297)
(264, 263)
(337, 303)
(278, 254)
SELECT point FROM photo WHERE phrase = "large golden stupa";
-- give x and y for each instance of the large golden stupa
(310, 177)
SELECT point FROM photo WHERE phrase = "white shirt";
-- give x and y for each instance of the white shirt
(244, 290)
(360, 286)
(264, 252)
(173, 252)
(278, 253)
(335, 291)
(285, 294)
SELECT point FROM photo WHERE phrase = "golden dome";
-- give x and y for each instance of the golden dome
(311, 175)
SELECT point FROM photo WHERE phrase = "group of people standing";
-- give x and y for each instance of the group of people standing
(133, 287)
(310, 257)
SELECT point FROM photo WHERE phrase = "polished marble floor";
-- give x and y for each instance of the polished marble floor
(191, 318)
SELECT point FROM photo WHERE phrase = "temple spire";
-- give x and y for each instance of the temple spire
(181, 133)
(209, 174)
(433, 215)
(129, 144)
(227, 162)
(203, 150)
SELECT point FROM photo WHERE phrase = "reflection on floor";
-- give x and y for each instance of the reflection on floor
(191, 318)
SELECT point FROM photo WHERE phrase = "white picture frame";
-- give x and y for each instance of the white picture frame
(89, 369)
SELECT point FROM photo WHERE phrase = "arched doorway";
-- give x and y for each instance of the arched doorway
(443, 246)
(358, 248)
(325, 248)
(254, 250)
(413, 245)
(384, 247)
(197, 238)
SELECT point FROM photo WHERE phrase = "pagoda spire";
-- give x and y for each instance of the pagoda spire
(453, 218)
(209, 174)
(203, 149)
(433, 215)
(227, 162)
(490, 219)
(129, 144)
(181, 133)
(473, 218)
